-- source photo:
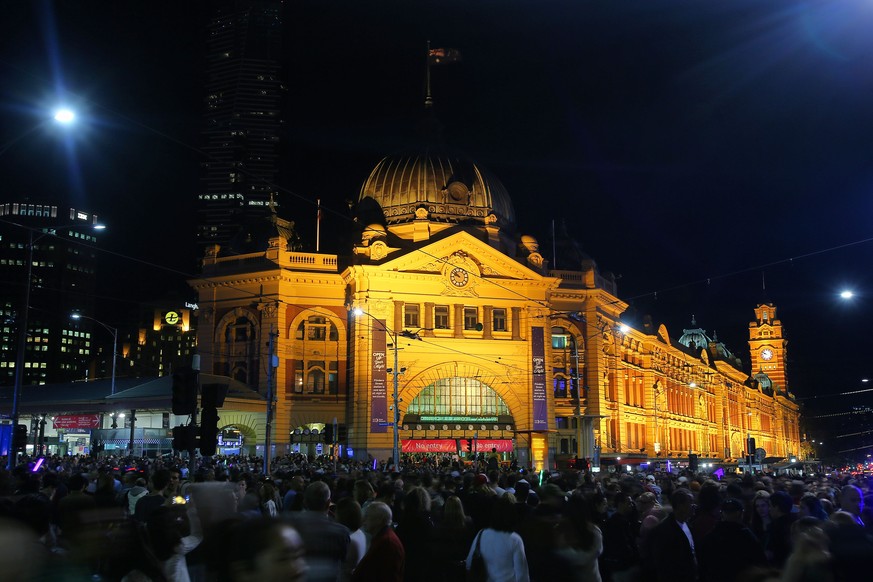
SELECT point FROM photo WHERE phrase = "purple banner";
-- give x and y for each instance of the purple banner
(379, 387)
(540, 407)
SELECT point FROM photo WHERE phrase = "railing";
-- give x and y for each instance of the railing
(315, 261)
(578, 279)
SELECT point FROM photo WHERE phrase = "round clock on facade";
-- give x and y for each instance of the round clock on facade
(767, 354)
(459, 277)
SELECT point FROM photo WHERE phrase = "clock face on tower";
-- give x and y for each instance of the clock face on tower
(767, 354)
(459, 277)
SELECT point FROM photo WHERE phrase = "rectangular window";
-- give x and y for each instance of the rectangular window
(410, 316)
(471, 317)
(499, 323)
(298, 376)
(562, 422)
(441, 317)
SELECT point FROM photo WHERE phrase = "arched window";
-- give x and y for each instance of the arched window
(316, 337)
(458, 397)
(238, 357)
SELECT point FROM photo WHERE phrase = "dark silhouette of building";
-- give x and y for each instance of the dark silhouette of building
(242, 117)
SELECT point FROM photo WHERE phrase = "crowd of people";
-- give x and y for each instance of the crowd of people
(434, 520)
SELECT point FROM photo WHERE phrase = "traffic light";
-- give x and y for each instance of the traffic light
(751, 446)
(469, 446)
(184, 438)
(692, 462)
(19, 438)
(342, 433)
(208, 432)
(328, 434)
(184, 391)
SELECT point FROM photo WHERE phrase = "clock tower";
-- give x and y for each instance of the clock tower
(767, 345)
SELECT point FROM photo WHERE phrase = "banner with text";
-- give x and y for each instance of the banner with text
(451, 445)
(379, 387)
(77, 421)
(540, 408)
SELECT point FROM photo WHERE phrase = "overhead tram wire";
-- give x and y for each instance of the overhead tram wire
(316, 205)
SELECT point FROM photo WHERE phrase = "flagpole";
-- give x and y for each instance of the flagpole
(554, 247)
(428, 99)
(318, 228)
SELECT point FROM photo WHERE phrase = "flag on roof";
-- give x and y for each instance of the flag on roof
(443, 56)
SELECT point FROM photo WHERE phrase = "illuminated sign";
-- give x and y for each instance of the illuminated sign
(191, 305)
(172, 317)
(77, 421)
(476, 419)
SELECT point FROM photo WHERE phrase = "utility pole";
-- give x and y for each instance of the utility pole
(268, 441)
(578, 412)
(396, 403)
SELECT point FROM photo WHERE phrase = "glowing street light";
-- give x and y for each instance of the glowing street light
(847, 294)
(65, 116)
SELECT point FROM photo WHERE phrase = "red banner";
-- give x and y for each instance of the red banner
(485, 445)
(451, 446)
(429, 446)
(77, 421)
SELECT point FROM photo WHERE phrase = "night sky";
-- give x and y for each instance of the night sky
(700, 150)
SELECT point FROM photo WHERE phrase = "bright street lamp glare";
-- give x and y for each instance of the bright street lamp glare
(75, 316)
(99, 227)
(357, 311)
(624, 328)
(64, 116)
(847, 294)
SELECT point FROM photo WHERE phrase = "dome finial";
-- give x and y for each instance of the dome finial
(693, 320)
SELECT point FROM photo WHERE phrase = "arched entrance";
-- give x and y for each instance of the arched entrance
(458, 415)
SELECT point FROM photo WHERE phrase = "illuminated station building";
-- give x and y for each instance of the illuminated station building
(443, 298)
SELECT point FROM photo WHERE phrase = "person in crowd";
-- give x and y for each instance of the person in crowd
(730, 548)
(581, 542)
(672, 543)
(708, 512)
(327, 542)
(147, 504)
(364, 492)
(73, 509)
(293, 498)
(268, 498)
(779, 541)
(810, 559)
(502, 549)
(810, 506)
(173, 532)
(385, 558)
(452, 537)
(759, 519)
(348, 513)
(852, 501)
(262, 549)
(416, 531)
(621, 557)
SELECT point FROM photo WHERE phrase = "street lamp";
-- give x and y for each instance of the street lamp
(24, 315)
(395, 372)
(114, 332)
(64, 117)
